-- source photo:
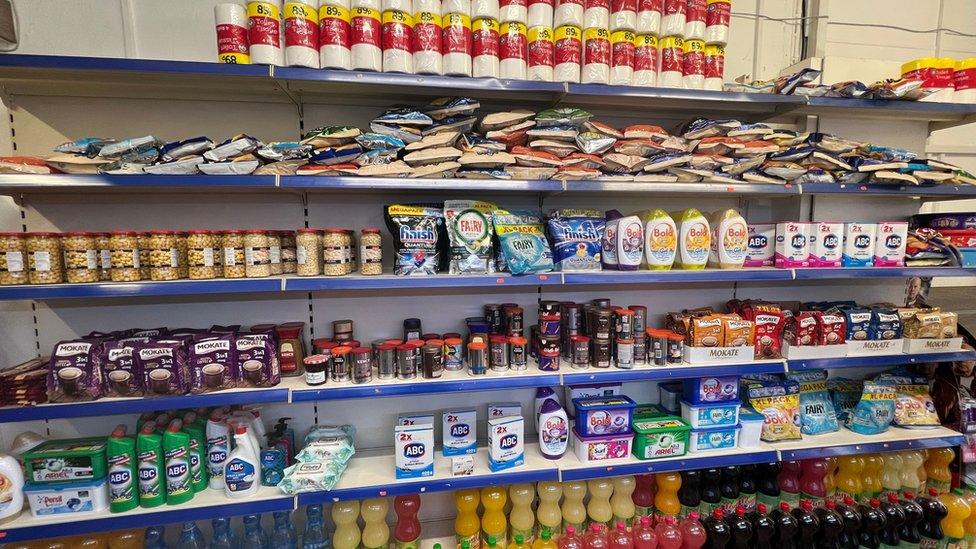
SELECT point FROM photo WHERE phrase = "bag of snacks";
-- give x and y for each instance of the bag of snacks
(416, 231)
(779, 403)
(914, 407)
(875, 411)
(817, 414)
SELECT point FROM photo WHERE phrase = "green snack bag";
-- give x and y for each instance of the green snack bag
(122, 484)
(149, 451)
(176, 449)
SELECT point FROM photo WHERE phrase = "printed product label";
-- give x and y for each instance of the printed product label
(674, 6)
(645, 53)
(301, 25)
(457, 34)
(693, 57)
(264, 24)
(696, 243)
(622, 49)
(792, 498)
(397, 27)
(217, 449)
(42, 261)
(541, 47)
(6, 495)
(196, 468)
(230, 257)
(671, 53)
(485, 37)
(232, 40)
(735, 241)
(695, 11)
(120, 482)
(474, 542)
(15, 262)
(257, 256)
(714, 61)
(965, 79)
(718, 12)
(334, 26)
(597, 46)
(105, 259)
(239, 475)
(512, 43)
(568, 45)
(366, 27)
(426, 32)
(177, 472)
(149, 481)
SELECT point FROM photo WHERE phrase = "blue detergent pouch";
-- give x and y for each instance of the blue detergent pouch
(817, 414)
(875, 411)
(523, 241)
(845, 394)
(576, 236)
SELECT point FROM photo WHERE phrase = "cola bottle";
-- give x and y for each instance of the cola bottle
(729, 489)
(747, 487)
(786, 527)
(741, 529)
(809, 525)
(718, 531)
(711, 495)
(872, 523)
(767, 487)
(689, 494)
(933, 511)
(894, 519)
(831, 526)
(763, 528)
(908, 532)
(852, 524)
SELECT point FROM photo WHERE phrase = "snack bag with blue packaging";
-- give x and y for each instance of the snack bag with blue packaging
(817, 414)
(779, 403)
(523, 241)
(576, 236)
(875, 411)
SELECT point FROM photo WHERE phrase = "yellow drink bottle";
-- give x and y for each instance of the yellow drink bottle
(493, 522)
(344, 515)
(829, 483)
(923, 474)
(126, 539)
(467, 525)
(912, 461)
(622, 501)
(937, 469)
(544, 541)
(574, 512)
(598, 509)
(518, 542)
(666, 499)
(848, 477)
(891, 475)
(376, 533)
(952, 524)
(871, 482)
(521, 517)
(969, 525)
(548, 514)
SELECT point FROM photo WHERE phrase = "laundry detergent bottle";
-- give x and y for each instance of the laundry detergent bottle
(11, 488)
(694, 240)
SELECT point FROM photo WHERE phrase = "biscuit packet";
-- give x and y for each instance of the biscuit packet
(817, 414)
(779, 403)
(875, 411)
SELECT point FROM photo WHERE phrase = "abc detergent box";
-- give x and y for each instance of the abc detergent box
(460, 434)
(414, 446)
(506, 448)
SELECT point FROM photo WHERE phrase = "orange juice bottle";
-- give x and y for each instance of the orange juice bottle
(891, 475)
(467, 525)
(666, 500)
(548, 514)
(848, 477)
(937, 469)
(913, 461)
(871, 480)
(598, 509)
(969, 525)
(952, 524)
(544, 541)
(521, 517)
(493, 523)
(573, 510)
(829, 486)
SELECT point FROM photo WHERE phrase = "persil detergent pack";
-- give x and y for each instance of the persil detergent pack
(414, 446)
(506, 443)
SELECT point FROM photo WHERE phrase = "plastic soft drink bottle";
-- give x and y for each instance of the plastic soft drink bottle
(768, 489)
(598, 508)
(922, 473)
(711, 492)
(643, 534)
(789, 483)
(741, 529)
(829, 485)
(894, 518)
(574, 512)
(191, 537)
(852, 523)
(345, 515)
(693, 535)
(937, 469)
(812, 488)
(283, 536)
(376, 534)
(952, 525)
(872, 523)
(763, 528)
(934, 511)
(729, 489)
(666, 500)
(912, 462)
(154, 538)
(467, 525)
(848, 478)
(643, 495)
(406, 533)
(786, 526)
(809, 524)
(914, 515)
(569, 539)
(314, 536)
(544, 541)
(717, 531)
(747, 487)
(595, 538)
(522, 519)
(622, 502)
(223, 536)
(831, 526)
(493, 521)
(619, 537)
(689, 494)
(518, 542)
(548, 514)
(873, 471)
(254, 536)
(668, 535)
(891, 475)
(969, 525)
(126, 539)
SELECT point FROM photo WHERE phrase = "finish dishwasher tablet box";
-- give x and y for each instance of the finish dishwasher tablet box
(506, 444)
(414, 446)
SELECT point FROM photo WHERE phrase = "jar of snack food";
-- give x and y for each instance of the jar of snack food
(334, 252)
(44, 258)
(289, 252)
(125, 260)
(257, 256)
(80, 257)
(104, 256)
(183, 249)
(201, 255)
(308, 258)
(164, 255)
(274, 251)
(13, 263)
(232, 243)
(370, 252)
(144, 250)
(350, 251)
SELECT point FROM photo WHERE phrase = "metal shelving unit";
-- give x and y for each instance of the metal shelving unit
(878, 361)
(845, 442)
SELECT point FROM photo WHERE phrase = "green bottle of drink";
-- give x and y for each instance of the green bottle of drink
(198, 450)
(122, 484)
(149, 452)
(176, 455)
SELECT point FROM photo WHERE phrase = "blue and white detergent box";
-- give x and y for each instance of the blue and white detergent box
(414, 446)
(415, 419)
(504, 409)
(506, 443)
(859, 244)
(460, 432)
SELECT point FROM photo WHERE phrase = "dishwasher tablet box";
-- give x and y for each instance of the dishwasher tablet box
(460, 432)
(506, 443)
(858, 244)
(71, 460)
(414, 447)
(66, 498)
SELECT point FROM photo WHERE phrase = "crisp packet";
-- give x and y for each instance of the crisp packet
(817, 414)
(875, 411)
(377, 141)
(87, 146)
(283, 150)
(235, 146)
(523, 241)
(310, 477)
(404, 116)
(187, 147)
(561, 116)
(443, 107)
(785, 85)
(779, 403)
(594, 143)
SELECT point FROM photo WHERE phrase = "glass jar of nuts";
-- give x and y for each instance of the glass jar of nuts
(144, 255)
(13, 262)
(233, 257)
(104, 256)
(80, 257)
(257, 253)
(44, 261)
(274, 251)
(164, 255)
(350, 251)
(334, 252)
(125, 260)
(181, 248)
(370, 252)
(202, 251)
(288, 252)
(307, 252)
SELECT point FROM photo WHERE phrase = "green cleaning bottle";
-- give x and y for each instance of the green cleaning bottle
(176, 449)
(122, 485)
(149, 450)
(198, 448)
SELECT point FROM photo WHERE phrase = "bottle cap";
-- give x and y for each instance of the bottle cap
(119, 431)
(692, 515)
(875, 503)
(933, 492)
(175, 426)
(806, 505)
(848, 501)
(595, 528)
(571, 531)
(621, 525)
(240, 430)
(546, 535)
(831, 504)
(909, 495)
(785, 507)
(519, 539)
(741, 511)
(148, 428)
(762, 508)
(892, 497)
(718, 514)
(669, 520)
(645, 521)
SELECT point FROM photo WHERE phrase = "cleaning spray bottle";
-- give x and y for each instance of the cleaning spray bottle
(122, 485)
(218, 448)
(241, 470)
(198, 448)
(149, 450)
(176, 449)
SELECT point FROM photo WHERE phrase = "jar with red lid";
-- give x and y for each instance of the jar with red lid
(453, 353)
(370, 252)
(406, 360)
(477, 358)
(316, 369)
(518, 353)
(202, 254)
(164, 255)
(386, 360)
(233, 254)
(362, 365)
(498, 355)
(80, 257)
(126, 256)
(104, 256)
(257, 254)
(334, 252)
(44, 261)
(289, 252)
(291, 348)
(580, 351)
(308, 254)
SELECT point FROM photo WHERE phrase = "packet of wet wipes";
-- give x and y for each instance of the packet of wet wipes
(817, 413)
(875, 411)
(335, 448)
(310, 477)
(576, 237)
(469, 230)
(779, 403)
(318, 432)
(523, 241)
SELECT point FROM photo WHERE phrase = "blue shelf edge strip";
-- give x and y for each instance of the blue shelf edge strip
(400, 389)
(688, 461)
(871, 447)
(878, 360)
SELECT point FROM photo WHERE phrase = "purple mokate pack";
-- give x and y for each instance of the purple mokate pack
(75, 373)
(213, 363)
(164, 367)
(122, 375)
(257, 360)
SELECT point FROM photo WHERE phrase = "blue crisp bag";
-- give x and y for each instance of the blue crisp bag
(875, 411)
(523, 241)
(817, 414)
(576, 237)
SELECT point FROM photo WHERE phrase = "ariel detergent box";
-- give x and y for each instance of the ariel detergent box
(506, 443)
